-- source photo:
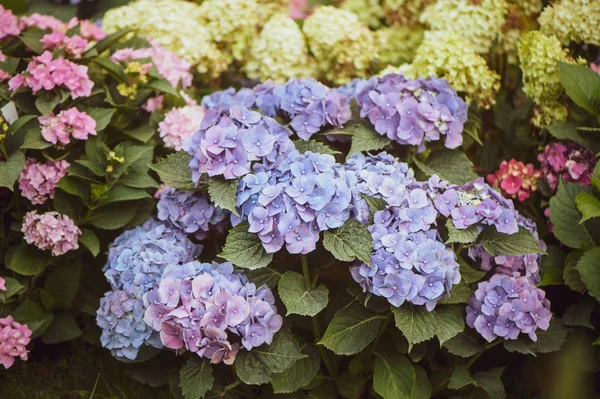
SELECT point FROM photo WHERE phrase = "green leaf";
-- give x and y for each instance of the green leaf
(19, 123)
(90, 240)
(245, 249)
(223, 193)
(116, 71)
(375, 204)
(463, 345)
(596, 176)
(33, 140)
(570, 274)
(12, 287)
(588, 205)
(351, 330)
(250, 369)
(351, 241)
(314, 146)
(366, 139)
(163, 86)
(29, 261)
(10, 169)
(491, 384)
(35, 316)
(63, 328)
(500, 244)
(142, 133)
(463, 236)
(582, 85)
(46, 105)
(449, 165)
(111, 217)
(75, 187)
(547, 341)
(102, 116)
(416, 323)
(300, 374)
(298, 299)
(449, 323)
(136, 179)
(61, 286)
(196, 378)
(174, 171)
(568, 131)
(460, 377)
(460, 293)
(394, 376)
(31, 38)
(120, 193)
(467, 273)
(109, 40)
(589, 271)
(579, 314)
(350, 385)
(264, 275)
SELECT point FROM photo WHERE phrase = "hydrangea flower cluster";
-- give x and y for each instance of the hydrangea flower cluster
(227, 143)
(413, 111)
(3, 74)
(572, 21)
(369, 12)
(397, 44)
(299, 9)
(51, 231)
(196, 305)
(567, 161)
(14, 338)
(57, 40)
(9, 24)
(191, 212)
(38, 181)
(136, 262)
(506, 306)
(515, 179)
(68, 123)
(2, 284)
(45, 73)
(180, 124)
(43, 22)
(291, 204)
(405, 12)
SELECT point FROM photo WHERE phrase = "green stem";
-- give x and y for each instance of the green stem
(486, 347)
(230, 387)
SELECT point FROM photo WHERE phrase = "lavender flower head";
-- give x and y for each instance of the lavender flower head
(203, 307)
(191, 212)
(413, 111)
(507, 306)
(306, 194)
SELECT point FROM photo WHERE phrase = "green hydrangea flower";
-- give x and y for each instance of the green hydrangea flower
(398, 43)
(370, 12)
(572, 20)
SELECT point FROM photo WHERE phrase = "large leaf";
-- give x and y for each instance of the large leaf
(34, 315)
(463, 345)
(223, 193)
(31, 38)
(111, 217)
(449, 165)
(300, 299)
(460, 377)
(366, 139)
(102, 116)
(568, 131)
(63, 328)
(119, 193)
(418, 324)
(461, 236)
(45, 103)
(162, 86)
(500, 244)
(12, 287)
(109, 40)
(250, 369)
(61, 286)
(351, 241)
(10, 169)
(547, 341)
(245, 249)
(580, 314)
(174, 171)
(196, 378)
(491, 383)
(29, 261)
(582, 85)
(589, 271)
(300, 374)
(351, 329)
(588, 205)
(394, 377)
(564, 215)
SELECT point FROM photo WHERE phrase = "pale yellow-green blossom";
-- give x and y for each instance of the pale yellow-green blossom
(529, 7)
(405, 12)
(447, 55)
(572, 20)
(343, 47)
(478, 23)
(397, 43)
(280, 52)
(268, 8)
(369, 12)
(173, 24)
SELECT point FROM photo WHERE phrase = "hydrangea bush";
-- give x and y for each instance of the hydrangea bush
(359, 199)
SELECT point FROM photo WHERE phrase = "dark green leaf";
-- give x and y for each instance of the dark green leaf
(351, 241)
(250, 369)
(449, 165)
(580, 314)
(582, 85)
(300, 374)
(102, 116)
(264, 275)
(564, 212)
(589, 271)
(174, 171)
(350, 386)
(75, 187)
(300, 299)
(46, 105)
(283, 352)
(116, 71)
(366, 139)
(33, 140)
(19, 123)
(416, 323)
(35, 316)
(196, 378)
(394, 377)
(138, 180)
(223, 193)
(29, 261)
(491, 384)
(12, 287)
(460, 377)
(467, 273)
(90, 240)
(61, 286)
(314, 146)
(111, 217)
(63, 328)
(109, 40)
(462, 236)
(10, 169)
(121, 193)
(463, 345)
(31, 38)
(500, 244)
(568, 131)
(142, 133)
(245, 249)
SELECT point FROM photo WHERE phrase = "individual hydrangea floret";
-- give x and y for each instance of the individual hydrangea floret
(9, 24)
(291, 204)
(14, 338)
(515, 179)
(413, 111)
(38, 181)
(45, 73)
(506, 306)
(51, 231)
(567, 161)
(227, 143)
(191, 212)
(180, 124)
(197, 305)
(572, 21)
(68, 123)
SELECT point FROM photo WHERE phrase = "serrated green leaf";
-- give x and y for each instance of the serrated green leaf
(46, 104)
(463, 345)
(29, 261)
(351, 330)
(33, 140)
(245, 249)
(460, 377)
(300, 299)
(314, 146)
(223, 193)
(547, 341)
(416, 323)
(120, 193)
(136, 179)
(394, 377)
(174, 171)
(300, 374)
(196, 378)
(563, 213)
(111, 218)
(63, 328)
(568, 131)
(12, 287)
(90, 240)
(351, 241)
(34, 315)
(589, 271)
(102, 116)
(449, 323)
(366, 139)
(375, 204)
(450, 165)
(582, 85)
(462, 236)
(588, 205)
(10, 169)
(460, 293)
(250, 369)
(491, 384)
(580, 314)
(500, 244)
(467, 273)
(62, 285)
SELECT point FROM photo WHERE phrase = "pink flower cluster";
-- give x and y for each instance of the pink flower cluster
(299, 9)
(3, 74)
(2, 284)
(515, 179)
(67, 123)
(74, 45)
(168, 64)
(14, 337)
(179, 124)
(9, 24)
(567, 161)
(44, 73)
(38, 181)
(52, 231)
(90, 31)
(43, 22)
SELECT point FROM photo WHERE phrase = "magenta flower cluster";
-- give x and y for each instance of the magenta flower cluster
(567, 161)
(58, 40)
(196, 305)
(413, 111)
(9, 24)
(38, 181)
(507, 306)
(179, 124)
(68, 123)
(51, 231)
(14, 338)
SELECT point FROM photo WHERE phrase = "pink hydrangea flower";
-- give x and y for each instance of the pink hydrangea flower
(154, 103)
(9, 24)
(567, 161)
(2, 284)
(40, 21)
(160, 190)
(51, 231)
(44, 73)
(3, 74)
(67, 123)
(14, 338)
(74, 45)
(38, 181)
(299, 9)
(515, 179)
(90, 31)
(595, 67)
(179, 124)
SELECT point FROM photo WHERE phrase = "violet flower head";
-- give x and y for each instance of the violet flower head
(567, 161)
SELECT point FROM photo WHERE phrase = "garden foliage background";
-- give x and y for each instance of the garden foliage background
(269, 198)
